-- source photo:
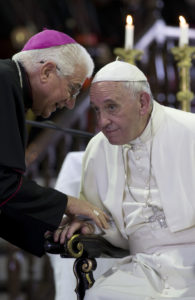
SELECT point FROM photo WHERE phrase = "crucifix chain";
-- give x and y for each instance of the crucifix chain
(158, 214)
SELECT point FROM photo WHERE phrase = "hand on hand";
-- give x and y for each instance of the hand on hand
(79, 207)
(68, 227)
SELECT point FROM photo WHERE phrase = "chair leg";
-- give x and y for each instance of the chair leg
(83, 270)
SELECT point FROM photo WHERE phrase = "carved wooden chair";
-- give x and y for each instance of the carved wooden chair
(85, 249)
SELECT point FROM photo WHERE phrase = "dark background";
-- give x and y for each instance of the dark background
(90, 22)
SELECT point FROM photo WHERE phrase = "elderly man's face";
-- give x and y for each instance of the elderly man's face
(120, 115)
(51, 91)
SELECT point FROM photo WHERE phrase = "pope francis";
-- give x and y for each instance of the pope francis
(140, 168)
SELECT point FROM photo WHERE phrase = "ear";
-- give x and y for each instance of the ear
(47, 70)
(144, 103)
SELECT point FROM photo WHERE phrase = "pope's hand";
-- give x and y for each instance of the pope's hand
(84, 208)
(68, 227)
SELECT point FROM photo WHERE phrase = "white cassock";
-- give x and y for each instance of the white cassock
(153, 210)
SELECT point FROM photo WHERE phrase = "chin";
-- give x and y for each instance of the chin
(117, 140)
(46, 114)
(114, 141)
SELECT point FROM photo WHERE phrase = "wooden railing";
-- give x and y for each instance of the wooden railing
(158, 62)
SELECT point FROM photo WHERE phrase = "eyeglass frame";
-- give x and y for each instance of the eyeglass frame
(72, 89)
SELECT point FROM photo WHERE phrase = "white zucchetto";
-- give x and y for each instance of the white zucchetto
(119, 71)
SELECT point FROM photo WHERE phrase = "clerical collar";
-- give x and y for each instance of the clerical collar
(25, 85)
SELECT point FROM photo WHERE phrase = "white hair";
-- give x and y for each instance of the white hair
(66, 57)
(136, 87)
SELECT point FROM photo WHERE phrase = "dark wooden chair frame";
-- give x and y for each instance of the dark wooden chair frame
(85, 249)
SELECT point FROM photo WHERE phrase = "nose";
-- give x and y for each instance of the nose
(103, 120)
(70, 103)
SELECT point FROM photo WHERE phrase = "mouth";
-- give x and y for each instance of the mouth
(110, 134)
(110, 131)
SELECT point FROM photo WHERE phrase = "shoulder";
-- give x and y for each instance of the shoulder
(7, 66)
(176, 117)
(96, 141)
(100, 143)
(99, 149)
(180, 119)
(8, 73)
(176, 123)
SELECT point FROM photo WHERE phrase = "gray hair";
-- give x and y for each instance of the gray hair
(136, 87)
(66, 57)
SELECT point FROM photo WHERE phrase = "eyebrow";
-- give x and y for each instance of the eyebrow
(105, 101)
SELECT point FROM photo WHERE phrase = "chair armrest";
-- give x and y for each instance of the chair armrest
(85, 248)
(89, 245)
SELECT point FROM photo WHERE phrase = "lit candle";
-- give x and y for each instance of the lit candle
(129, 33)
(183, 39)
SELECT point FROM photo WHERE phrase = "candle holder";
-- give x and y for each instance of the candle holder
(184, 55)
(130, 55)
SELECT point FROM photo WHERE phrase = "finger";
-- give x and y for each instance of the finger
(107, 217)
(63, 234)
(69, 230)
(76, 225)
(56, 235)
(87, 229)
(47, 234)
(97, 211)
(104, 222)
(101, 218)
(65, 220)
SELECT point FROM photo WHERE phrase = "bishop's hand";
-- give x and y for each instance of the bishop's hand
(76, 207)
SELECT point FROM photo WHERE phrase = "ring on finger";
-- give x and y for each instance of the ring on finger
(96, 212)
(63, 227)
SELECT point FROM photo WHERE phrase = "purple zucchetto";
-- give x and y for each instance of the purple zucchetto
(46, 39)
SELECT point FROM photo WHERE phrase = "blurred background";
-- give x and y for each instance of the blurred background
(99, 25)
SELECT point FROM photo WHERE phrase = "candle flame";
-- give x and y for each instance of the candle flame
(182, 20)
(129, 20)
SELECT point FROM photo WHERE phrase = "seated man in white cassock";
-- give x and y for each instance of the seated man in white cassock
(141, 170)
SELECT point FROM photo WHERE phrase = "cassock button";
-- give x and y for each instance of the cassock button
(167, 286)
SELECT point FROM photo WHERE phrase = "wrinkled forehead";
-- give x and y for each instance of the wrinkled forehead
(106, 86)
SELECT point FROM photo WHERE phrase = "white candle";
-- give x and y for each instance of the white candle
(129, 33)
(183, 39)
